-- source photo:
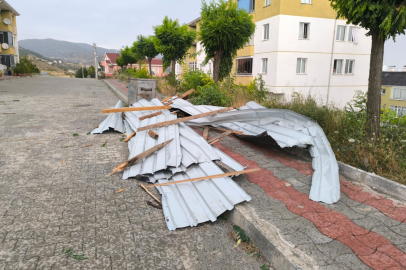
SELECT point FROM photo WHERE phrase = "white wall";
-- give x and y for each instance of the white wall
(284, 47)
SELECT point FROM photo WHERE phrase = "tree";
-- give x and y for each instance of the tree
(79, 73)
(91, 70)
(137, 53)
(173, 41)
(383, 19)
(129, 58)
(120, 62)
(224, 29)
(147, 48)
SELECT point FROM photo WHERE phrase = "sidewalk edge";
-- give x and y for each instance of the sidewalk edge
(117, 92)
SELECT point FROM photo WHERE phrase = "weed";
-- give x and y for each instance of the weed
(241, 234)
(263, 267)
(70, 253)
(67, 146)
(122, 139)
(88, 133)
(75, 134)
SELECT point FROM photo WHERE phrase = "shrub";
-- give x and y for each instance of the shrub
(211, 95)
(194, 79)
(143, 74)
(25, 66)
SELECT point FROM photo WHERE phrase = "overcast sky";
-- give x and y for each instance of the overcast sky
(114, 23)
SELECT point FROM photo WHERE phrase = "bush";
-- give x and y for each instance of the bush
(25, 66)
(80, 74)
(194, 79)
(143, 74)
(211, 95)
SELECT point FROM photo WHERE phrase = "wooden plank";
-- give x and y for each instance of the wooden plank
(221, 129)
(150, 193)
(169, 103)
(129, 137)
(138, 158)
(205, 177)
(149, 115)
(206, 133)
(222, 135)
(166, 99)
(191, 91)
(181, 120)
(153, 134)
(135, 109)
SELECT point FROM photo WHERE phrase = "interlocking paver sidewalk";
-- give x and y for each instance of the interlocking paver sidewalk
(46, 205)
(363, 230)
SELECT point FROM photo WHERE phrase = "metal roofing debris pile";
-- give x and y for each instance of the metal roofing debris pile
(187, 156)
(288, 129)
(114, 120)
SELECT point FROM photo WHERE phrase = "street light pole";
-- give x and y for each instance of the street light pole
(96, 66)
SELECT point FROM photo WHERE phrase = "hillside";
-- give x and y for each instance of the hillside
(24, 52)
(64, 50)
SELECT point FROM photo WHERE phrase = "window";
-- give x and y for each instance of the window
(304, 30)
(399, 110)
(353, 34)
(266, 31)
(244, 66)
(301, 66)
(193, 66)
(340, 36)
(338, 65)
(349, 66)
(7, 60)
(248, 5)
(399, 93)
(264, 65)
(267, 2)
(306, 1)
(383, 91)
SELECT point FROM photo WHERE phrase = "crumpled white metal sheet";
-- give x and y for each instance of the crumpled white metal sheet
(188, 204)
(288, 129)
(114, 120)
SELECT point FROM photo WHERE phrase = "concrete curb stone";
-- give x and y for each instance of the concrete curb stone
(117, 92)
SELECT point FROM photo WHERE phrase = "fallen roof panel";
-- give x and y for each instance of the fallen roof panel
(288, 129)
(188, 204)
(114, 121)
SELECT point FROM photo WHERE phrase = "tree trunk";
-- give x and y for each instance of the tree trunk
(173, 67)
(216, 66)
(150, 66)
(374, 88)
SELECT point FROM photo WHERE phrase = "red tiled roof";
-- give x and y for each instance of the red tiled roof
(113, 57)
(156, 61)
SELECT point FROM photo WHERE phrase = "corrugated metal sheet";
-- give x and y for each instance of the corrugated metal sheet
(288, 129)
(187, 148)
(188, 204)
(114, 120)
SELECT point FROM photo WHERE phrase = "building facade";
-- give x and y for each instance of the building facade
(393, 93)
(300, 46)
(9, 54)
(109, 65)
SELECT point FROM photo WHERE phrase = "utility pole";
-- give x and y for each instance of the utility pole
(83, 73)
(96, 66)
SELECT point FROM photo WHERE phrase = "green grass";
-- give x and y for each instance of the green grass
(67, 146)
(75, 134)
(70, 253)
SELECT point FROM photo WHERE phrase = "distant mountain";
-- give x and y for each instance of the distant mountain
(64, 50)
(24, 52)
